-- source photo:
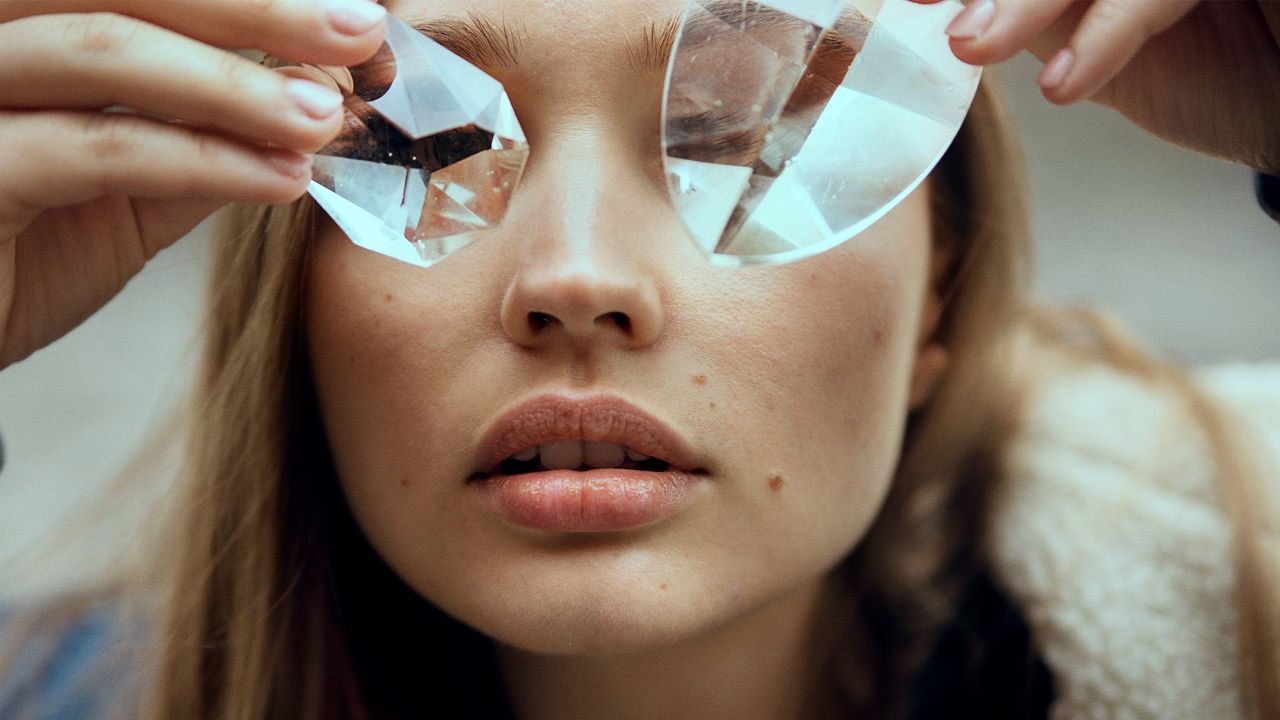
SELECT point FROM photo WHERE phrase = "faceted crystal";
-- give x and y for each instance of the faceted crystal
(792, 125)
(429, 154)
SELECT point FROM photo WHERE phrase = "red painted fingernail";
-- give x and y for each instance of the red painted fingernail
(1055, 71)
(974, 21)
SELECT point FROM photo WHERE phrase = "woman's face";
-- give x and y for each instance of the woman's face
(779, 394)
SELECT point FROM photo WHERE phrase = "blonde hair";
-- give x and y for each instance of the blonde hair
(264, 615)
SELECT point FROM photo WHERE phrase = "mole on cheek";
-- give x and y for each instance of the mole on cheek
(776, 482)
(389, 297)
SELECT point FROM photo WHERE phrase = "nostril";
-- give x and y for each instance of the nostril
(538, 320)
(621, 319)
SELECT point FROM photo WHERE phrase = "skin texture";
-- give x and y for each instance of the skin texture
(793, 382)
(410, 370)
(86, 197)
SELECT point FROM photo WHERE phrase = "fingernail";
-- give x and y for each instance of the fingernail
(355, 17)
(1056, 70)
(974, 21)
(316, 100)
(289, 163)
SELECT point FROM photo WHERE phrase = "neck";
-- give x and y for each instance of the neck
(757, 666)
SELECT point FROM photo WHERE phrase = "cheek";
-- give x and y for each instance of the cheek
(815, 361)
(381, 340)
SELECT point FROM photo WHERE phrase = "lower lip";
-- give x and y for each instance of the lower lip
(593, 501)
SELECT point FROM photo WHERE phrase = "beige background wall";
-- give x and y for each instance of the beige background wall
(1171, 241)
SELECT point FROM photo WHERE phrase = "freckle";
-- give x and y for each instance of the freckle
(878, 336)
(663, 586)
(390, 297)
(776, 482)
(713, 405)
(699, 379)
(405, 482)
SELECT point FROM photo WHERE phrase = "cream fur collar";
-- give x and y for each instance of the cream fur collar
(1112, 539)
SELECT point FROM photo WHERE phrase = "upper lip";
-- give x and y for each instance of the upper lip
(598, 418)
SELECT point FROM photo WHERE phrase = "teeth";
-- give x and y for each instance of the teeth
(562, 454)
(604, 455)
(572, 454)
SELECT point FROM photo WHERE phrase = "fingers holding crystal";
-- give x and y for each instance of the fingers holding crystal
(1084, 44)
(96, 154)
(1108, 36)
(337, 32)
(91, 62)
(991, 31)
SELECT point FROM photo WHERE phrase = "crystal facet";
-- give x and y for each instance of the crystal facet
(429, 154)
(792, 125)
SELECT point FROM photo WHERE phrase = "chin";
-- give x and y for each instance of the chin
(598, 626)
(611, 603)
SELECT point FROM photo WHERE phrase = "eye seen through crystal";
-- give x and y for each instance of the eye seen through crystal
(792, 125)
(429, 154)
(789, 127)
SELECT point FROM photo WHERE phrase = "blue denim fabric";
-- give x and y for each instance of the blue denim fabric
(73, 671)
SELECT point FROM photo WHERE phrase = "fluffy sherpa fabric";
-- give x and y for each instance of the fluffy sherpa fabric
(1112, 538)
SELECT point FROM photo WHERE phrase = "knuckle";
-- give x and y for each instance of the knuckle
(108, 138)
(231, 80)
(264, 8)
(1108, 12)
(101, 33)
(1123, 18)
(234, 73)
(206, 150)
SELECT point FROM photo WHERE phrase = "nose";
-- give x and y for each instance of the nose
(587, 277)
(583, 304)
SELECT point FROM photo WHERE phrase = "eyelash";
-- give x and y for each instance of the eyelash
(362, 125)
(717, 140)
(712, 133)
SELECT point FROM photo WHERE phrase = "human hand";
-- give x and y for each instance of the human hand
(1200, 74)
(88, 193)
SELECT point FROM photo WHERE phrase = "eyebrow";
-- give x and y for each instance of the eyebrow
(476, 38)
(657, 42)
(499, 44)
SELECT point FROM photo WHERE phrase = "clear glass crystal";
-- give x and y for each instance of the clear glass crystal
(792, 125)
(429, 154)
